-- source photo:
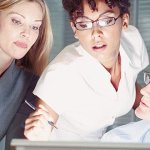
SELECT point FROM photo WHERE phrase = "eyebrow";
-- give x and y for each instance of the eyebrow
(20, 15)
(107, 11)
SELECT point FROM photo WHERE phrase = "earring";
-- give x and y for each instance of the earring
(75, 35)
(125, 24)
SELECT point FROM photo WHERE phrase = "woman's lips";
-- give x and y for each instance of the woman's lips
(21, 44)
(99, 47)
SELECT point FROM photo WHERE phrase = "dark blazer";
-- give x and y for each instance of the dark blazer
(16, 85)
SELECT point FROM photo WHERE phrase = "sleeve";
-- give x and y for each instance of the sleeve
(66, 131)
(132, 132)
(135, 47)
(144, 53)
(53, 88)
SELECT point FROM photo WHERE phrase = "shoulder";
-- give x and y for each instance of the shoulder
(134, 47)
(132, 34)
(66, 59)
(131, 37)
(67, 54)
(24, 77)
(28, 75)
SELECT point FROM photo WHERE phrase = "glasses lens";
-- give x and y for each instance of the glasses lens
(106, 22)
(84, 25)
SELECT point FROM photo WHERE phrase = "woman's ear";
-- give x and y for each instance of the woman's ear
(72, 26)
(74, 29)
(125, 22)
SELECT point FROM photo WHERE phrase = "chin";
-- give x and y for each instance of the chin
(19, 56)
(138, 113)
(142, 114)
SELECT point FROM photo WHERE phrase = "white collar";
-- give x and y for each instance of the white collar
(94, 73)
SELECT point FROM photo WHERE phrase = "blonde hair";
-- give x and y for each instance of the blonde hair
(38, 56)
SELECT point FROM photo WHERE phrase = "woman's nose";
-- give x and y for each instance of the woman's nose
(97, 33)
(25, 32)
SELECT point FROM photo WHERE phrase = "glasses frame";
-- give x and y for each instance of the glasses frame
(93, 21)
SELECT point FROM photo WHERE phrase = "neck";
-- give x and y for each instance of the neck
(115, 67)
(111, 64)
(115, 72)
(5, 62)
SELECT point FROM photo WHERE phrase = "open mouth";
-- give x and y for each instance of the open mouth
(99, 47)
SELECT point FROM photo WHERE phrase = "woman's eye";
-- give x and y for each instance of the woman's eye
(83, 25)
(15, 21)
(35, 28)
(108, 21)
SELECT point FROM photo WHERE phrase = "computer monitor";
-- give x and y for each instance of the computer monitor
(18, 144)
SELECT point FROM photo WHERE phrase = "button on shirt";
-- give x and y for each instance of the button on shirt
(78, 87)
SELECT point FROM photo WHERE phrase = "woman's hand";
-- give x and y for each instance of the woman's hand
(37, 126)
(143, 110)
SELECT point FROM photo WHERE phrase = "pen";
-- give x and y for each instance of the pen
(34, 108)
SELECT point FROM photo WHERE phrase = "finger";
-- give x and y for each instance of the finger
(37, 134)
(29, 134)
(36, 121)
(42, 107)
(33, 133)
(42, 112)
(38, 112)
(31, 119)
(36, 130)
(46, 113)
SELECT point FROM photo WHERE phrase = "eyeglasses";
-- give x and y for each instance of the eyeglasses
(87, 23)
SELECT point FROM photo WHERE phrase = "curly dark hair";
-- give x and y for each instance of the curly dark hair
(75, 7)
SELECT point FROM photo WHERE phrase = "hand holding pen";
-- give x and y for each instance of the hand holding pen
(34, 108)
(37, 125)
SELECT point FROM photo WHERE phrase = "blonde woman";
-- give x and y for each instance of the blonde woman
(25, 43)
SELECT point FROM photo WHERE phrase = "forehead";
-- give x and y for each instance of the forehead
(26, 8)
(101, 9)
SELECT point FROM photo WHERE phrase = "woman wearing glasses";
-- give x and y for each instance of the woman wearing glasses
(91, 82)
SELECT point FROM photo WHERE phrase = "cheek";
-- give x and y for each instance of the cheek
(33, 39)
(113, 38)
(114, 34)
(7, 39)
(84, 37)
